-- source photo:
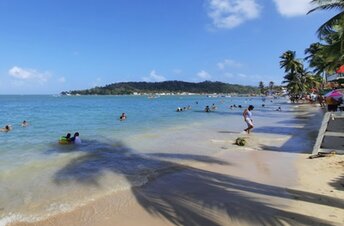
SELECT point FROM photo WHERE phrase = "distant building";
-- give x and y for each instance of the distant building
(338, 76)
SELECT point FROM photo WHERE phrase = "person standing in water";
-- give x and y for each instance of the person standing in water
(76, 139)
(123, 117)
(248, 118)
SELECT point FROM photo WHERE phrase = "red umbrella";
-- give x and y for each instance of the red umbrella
(340, 69)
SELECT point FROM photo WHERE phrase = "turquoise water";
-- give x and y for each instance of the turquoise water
(39, 177)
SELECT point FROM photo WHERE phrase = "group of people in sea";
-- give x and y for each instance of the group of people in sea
(235, 106)
(70, 140)
(179, 109)
(63, 140)
(8, 127)
(209, 109)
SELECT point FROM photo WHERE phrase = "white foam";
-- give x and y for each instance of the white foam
(11, 218)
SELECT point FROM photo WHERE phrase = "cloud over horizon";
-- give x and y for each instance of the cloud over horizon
(228, 63)
(228, 14)
(203, 75)
(154, 77)
(290, 8)
(61, 79)
(28, 74)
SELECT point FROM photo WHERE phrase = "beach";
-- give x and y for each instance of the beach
(207, 180)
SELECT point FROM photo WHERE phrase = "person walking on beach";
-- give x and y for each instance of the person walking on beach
(248, 118)
(321, 101)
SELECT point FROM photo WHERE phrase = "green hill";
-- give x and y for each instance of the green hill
(126, 88)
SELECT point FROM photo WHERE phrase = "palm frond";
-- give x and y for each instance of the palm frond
(327, 5)
(328, 27)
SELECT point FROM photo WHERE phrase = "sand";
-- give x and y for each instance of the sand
(267, 182)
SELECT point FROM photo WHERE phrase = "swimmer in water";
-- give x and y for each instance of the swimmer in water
(24, 123)
(123, 117)
(6, 129)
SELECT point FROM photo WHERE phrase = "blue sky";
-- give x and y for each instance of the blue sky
(51, 46)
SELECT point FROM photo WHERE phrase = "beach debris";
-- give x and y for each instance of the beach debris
(323, 154)
(241, 141)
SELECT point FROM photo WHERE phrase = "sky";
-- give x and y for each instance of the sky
(49, 46)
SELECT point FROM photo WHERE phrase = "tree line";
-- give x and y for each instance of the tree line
(323, 57)
(128, 88)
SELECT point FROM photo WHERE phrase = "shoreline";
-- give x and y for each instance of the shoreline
(255, 184)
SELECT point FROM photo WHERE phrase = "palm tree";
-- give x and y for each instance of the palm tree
(271, 85)
(296, 76)
(327, 57)
(289, 62)
(261, 87)
(316, 58)
(332, 33)
(327, 27)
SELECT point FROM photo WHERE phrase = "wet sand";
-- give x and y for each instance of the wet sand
(270, 181)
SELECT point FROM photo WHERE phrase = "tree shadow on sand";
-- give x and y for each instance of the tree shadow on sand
(185, 195)
(302, 137)
(338, 183)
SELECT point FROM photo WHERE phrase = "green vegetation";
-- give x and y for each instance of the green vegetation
(127, 88)
(271, 89)
(324, 57)
(241, 141)
(299, 81)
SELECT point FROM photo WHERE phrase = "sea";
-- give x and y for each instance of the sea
(40, 177)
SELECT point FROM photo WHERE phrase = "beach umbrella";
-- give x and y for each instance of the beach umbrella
(340, 70)
(336, 95)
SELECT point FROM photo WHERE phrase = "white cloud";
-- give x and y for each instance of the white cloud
(97, 82)
(203, 75)
(228, 75)
(291, 8)
(232, 13)
(177, 71)
(154, 77)
(228, 63)
(61, 79)
(248, 79)
(29, 74)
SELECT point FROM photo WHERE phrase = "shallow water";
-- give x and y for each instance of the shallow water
(39, 177)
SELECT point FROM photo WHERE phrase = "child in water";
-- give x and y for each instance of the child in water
(24, 123)
(123, 117)
(76, 139)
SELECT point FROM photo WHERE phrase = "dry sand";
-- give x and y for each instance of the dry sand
(264, 183)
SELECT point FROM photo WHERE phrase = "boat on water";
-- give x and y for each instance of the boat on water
(213, 96)
(153, 96)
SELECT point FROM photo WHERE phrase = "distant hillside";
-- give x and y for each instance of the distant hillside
(124, 88)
